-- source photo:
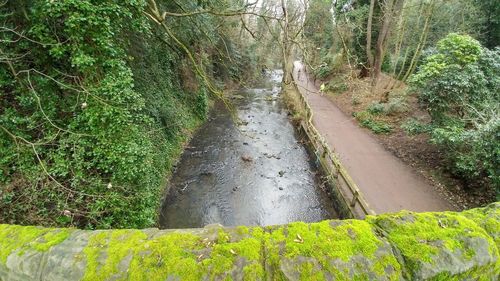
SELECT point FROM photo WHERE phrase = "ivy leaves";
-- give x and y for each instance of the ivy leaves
(78, 122)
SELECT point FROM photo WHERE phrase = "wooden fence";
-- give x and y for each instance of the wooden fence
(342, 185)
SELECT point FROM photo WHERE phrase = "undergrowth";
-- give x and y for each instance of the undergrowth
(367, 120)
(94, 109)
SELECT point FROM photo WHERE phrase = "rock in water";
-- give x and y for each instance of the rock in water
(246, 158)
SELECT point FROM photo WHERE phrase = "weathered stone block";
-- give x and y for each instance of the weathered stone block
(330, 250)
(401, 246)
(434, 245)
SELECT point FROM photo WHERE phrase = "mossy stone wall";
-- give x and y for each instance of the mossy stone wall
(400, 246)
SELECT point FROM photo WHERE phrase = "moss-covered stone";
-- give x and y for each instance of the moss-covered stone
(436, 243)
(342, 250)
(179, 255)
(488, 219)
(402, 246)
(14, 238)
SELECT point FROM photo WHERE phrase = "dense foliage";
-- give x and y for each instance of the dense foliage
(459, 85)
(318, 30)
(341, 34)
(95, 103)
(456, 78)
(96, 98)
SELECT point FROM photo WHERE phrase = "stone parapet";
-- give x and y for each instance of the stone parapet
(400, 246)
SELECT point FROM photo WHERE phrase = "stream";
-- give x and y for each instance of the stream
(255, 172)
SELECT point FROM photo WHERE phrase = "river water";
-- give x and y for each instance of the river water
(252, 172)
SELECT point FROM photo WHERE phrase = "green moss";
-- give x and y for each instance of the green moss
(179, 255)
(308, 273)
(478, 274)
(253, 272)
(23, 238)
(222, 236)
(225, 253)
(338, 249)
(242, 230)
(322, 241)
(170, 254)
(326, 242)
(273, 239)
(106, 250)
(174, 254)
(51, 238)
(488, 218)
(388, 262)
(420, 237)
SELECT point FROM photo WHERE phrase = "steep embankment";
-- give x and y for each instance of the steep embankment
(95, 104)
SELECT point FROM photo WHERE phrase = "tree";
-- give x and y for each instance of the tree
(284, 21)
(490, 10)
(391, 10)
(369, 25)
(459, 85)
(291, 29)
(318, 31)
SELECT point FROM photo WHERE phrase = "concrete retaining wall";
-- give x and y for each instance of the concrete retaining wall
(401, 246)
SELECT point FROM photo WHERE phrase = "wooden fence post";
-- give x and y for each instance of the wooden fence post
(331, 163)
(354, 199)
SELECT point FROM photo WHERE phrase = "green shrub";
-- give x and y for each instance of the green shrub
(336, 85)
(81, 130)
(476, 153)
(366, 120)
(453, 79)
(323, 71)
(414, 127)
(330, 64)
(396, 105)
(376, 108)
(459, 85)
(393, 106)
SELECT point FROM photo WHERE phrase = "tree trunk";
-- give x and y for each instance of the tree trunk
(421, 43)
(287, 66)
(399, 42)
(369, 57)
(391, 11)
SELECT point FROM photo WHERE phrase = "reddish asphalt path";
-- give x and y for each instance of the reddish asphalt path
(387, 183)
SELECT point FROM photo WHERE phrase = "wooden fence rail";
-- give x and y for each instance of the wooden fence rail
(335, 173)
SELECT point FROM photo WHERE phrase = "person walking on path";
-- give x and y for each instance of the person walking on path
(387, 183)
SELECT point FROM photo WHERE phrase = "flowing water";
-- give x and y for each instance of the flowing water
(255, 172)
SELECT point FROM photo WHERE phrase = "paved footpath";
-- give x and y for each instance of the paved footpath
(387, 183)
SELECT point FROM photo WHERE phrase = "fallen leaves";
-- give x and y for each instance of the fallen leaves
(299, 239)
